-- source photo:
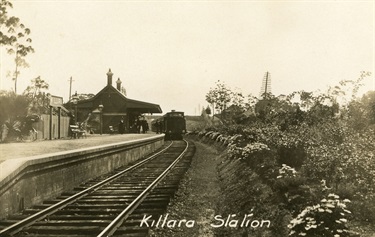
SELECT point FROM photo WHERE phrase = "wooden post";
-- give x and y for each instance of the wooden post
(59, 123)
(101, 122)
(50, 122)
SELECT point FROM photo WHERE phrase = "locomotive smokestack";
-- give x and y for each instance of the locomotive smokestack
(118, 82)
(109, 77)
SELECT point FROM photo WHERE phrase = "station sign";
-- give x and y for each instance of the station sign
(56, 101)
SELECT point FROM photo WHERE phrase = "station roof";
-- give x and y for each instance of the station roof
(114, 99)
(143, 107)
(134, 105)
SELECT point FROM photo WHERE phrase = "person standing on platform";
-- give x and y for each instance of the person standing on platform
(139, 125)
(144, 125)
(121, 127)
(157, 127)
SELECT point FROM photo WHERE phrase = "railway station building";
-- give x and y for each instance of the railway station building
(108, 107)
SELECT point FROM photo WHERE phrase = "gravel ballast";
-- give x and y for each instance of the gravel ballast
(197, 197)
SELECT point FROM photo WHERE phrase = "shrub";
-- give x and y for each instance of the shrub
(328, 218)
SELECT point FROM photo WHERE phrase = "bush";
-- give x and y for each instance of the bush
(328, 218)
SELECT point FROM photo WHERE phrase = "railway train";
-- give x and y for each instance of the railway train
(172, 124)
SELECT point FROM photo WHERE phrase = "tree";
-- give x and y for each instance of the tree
(38, 98)
(6, 22)
(368, 102)
(12, 106)
(14, 35)
(219, 97)
(251, 102)
(223, 96)
(267, 107)
(360, 113)
(347, 90)
(211, 99)
(79, 97)
(237, 99)
(20, 52)
(208, 110)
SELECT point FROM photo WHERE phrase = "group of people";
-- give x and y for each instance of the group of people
(158, 126)
(140, 125)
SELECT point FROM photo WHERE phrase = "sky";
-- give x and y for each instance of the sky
(172, 52)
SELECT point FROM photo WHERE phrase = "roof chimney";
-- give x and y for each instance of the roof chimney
(118, 82)
(109, 77)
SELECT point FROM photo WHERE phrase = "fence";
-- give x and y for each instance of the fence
(42, 126)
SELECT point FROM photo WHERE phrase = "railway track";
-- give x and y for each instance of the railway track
(111, 205)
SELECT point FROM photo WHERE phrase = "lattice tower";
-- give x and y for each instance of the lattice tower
(266, 85)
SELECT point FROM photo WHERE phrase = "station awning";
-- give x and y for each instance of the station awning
(143, 107)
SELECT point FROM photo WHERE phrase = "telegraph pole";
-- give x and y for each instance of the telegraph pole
(70, 88)
(266, 79)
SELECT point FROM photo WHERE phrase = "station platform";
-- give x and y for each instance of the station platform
(28, 149)
(31, 172)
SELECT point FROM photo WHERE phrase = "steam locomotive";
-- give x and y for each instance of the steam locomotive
(172, 124)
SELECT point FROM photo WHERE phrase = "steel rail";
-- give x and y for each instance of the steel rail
(16, 227)
(117, 222)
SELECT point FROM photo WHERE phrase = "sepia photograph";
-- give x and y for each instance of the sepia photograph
(196, 118)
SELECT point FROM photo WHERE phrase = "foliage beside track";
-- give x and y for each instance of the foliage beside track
(279, 175)
(310, 171)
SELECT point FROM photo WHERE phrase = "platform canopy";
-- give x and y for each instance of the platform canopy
(143, 107)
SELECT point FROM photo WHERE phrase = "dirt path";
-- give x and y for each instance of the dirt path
(197, 196)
